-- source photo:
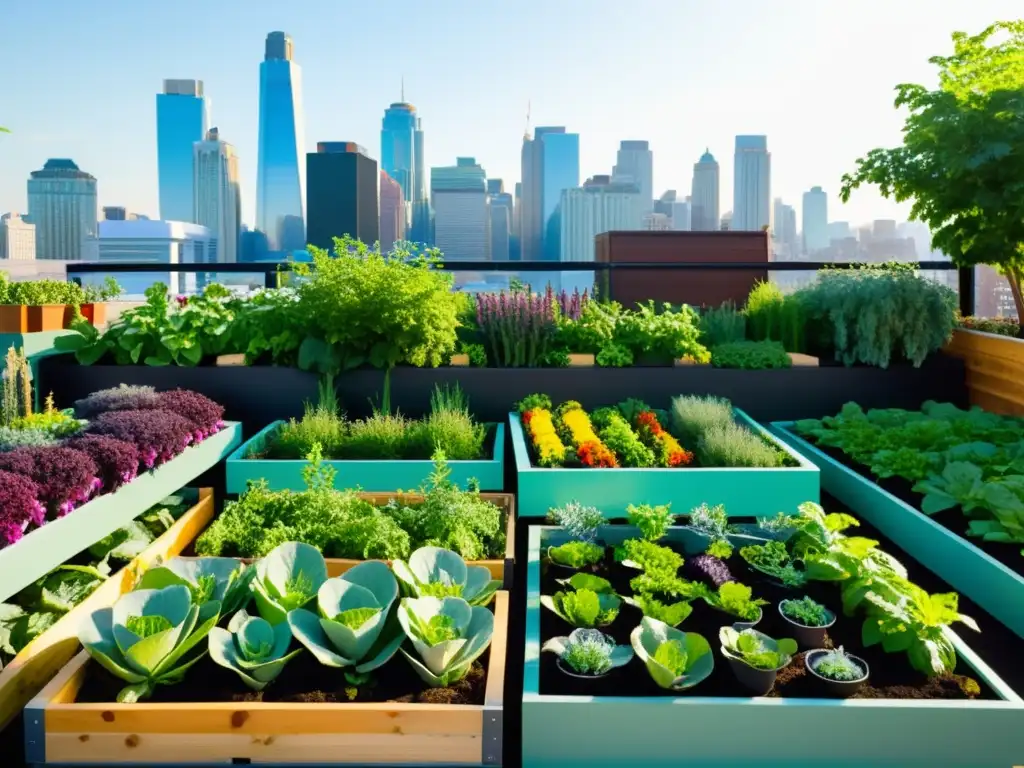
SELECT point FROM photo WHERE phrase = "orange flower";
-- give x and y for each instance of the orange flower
(668, 450)
(589, 449)
(595, 454)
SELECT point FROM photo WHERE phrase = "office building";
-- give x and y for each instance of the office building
(180, 123)
(252, 245)
(280, 166)
(500, 216)
(600, 205)
(839, 230)
(664, 203)
(815, 221)
(115, 213)
(398, 147)
(784, 232)
(342, 194)
(634, 164)
(217, 193)
(681, 215)
(704, 194)
(393, 213)
(550, 165)
(657, 222)
(17, 238)
(751, 208)
(458, 196)
(62, 205)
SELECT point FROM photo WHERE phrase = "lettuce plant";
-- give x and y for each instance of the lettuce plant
(436, 572)
(737, 599)
(289, 577)
(448, 635)
(576, 554)
(591, 603)
(252, 648)
(66, 477)
(116, 460)
(756, 649)
(772, 559)
(653, 521)
(672, 614)
(19, 506)
(147, 636)
(354, 625)
(675, 660)
(589, 652)
(223, 579)
(645, 555)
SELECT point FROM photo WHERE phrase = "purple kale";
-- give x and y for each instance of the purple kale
(122, 398)
(158, 435)
(117, 460)
(66, 477)
(708, 569)
(19, 506)
(207, 417)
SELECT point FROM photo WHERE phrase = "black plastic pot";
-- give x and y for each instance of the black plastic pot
(840, 689)
(807, 637)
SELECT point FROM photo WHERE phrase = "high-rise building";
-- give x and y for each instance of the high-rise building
(515, 246)
(634, 164)
(17, 238)
(62, 205)
(884, 229)
(839, 230)
(500, 215)
(657, 222)
(115, 213)
(704, 195)
(752, 185)
(601, 205)
(392, 213)
(180, 123)
(664, 203)
(398, 147)
(280, 170)
(550, 165)
(815, 221)
(217, 191)
(343, 182)
(459, 198)
(681, 215)
(784, 232)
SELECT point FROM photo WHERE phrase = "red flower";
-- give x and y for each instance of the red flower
(680, 458)
(593, 454)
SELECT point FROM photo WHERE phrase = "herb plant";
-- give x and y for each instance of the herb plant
(589, 652)
(722, 325)
(579, 521)
(806, 611)
(653, 521)
(733, 445)
(837, 665)
(773, 315)
(708, 569)
(750, 355)
(121, 398)
(772, 558)
(692, 417)
(662, 332)
(519, 329)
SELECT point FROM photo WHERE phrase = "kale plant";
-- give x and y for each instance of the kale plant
(807, 612)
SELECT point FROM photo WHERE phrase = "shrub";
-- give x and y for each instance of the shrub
(1004, 326)
(693, 416)
(11, 439)
(772, 315)
(19, 506)
(750, 355)
(206, 416)
(158, 435)
(662, 332)
(123, 398)
(117, 461)
(65, 477)
(731, 445)
(722, 325)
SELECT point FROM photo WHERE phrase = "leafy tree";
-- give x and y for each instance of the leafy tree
(962, 159)
(4, 130)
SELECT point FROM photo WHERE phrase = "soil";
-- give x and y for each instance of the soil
(304, 680)
(891, 676)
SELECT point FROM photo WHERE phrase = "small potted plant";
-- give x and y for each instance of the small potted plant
(808, 620)
(754, 657)
(588, 654)
(738, 601)
(582, 523)
(842, 673)
(94, 308)
(675, 660)
(589, 601)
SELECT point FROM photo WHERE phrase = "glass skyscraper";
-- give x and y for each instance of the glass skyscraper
(180, 123)
(281, 167)
(560, 170)
(62, 205)
(401, 157)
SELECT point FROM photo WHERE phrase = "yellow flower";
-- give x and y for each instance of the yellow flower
(549, 448)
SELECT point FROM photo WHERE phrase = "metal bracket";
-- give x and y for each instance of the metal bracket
(493, 740)
(35, 735)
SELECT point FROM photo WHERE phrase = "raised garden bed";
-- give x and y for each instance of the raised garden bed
(43, 657)
(373, 476)
(990, 574)
(745, 491)
(718, 723)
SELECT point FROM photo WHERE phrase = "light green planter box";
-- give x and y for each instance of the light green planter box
(975, 574)
(43, 549)
(744, 492)
(369, 476)
(718, 732)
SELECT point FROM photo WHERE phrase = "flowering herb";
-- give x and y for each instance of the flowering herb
(206, 415)
(19, 506)
(518, 329)
(158, 435)
(579, 432)
(65, 477)
(572, 304)
(708, 569)
(548, 446)
(666, 448)
(116, 460)
(122, 398)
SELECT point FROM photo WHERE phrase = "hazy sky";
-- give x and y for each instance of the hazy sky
(817, 77)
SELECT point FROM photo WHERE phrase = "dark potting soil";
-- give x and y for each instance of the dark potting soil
(304, 680)
(891, 676)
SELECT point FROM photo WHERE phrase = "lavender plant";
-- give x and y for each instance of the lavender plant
(518, 329)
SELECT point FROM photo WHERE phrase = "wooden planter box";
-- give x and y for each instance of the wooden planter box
(373, 476)
(953, 558)
(60, 731)
(43, 549)
(735, 732)
(995, 369)
(745, 492)
(41, 659)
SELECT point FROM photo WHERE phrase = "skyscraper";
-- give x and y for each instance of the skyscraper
(280, 169)
(634, 164)
(752, 185)
(500, 213)
(392, 212)
(784, 231)
(343, 183)
(704, 196)
(459, 199)
(550, 164)
(815, 221)
(17, 238)
(681, 216)
(218, 204)
(398, 147)
(180, 123)
(600, 205)
(62, 205)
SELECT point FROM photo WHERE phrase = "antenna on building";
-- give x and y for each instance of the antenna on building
(403, 89)
(526, 132)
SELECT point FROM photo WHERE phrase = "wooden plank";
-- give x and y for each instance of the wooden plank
(495, 691)
(41, 659)
(995, 369)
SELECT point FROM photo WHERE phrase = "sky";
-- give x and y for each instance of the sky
(816, 77)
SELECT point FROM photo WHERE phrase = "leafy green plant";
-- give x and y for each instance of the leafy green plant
(647, 556)
(772, 558)
(448, 635)
(666, 584)
(593, 605)
(652, 520)
(617, 434)
(807, 612)
(675, 660)
(223, 579)
(576, 554)
(672, 614)
(837, 665)
(436, 572)
(722, 325)
(756, 649)
(750, 355)
(252, 648)
(772, 315)
(613, 355)
(289, 577)
(147, 638)
(721, 549)
(589, 652)
(661, 332)
(736, 599)
(1003, 326)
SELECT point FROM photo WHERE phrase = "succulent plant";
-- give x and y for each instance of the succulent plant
(837, 665)
(437, 572)
(252, 648)
(222, 579)
(448, 635)
(289, 577)
(756, 649)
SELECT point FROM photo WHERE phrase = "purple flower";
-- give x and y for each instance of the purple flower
(19, 506)
(64, 476)
(708, 569)
(158, 435)
(118, 460)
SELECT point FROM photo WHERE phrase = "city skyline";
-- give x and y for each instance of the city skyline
(812, 140)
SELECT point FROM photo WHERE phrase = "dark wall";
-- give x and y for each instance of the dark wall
(694, 287)
(341, 198)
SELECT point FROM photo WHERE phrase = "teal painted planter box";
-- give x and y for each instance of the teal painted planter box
(721, 732)
(43, 549)
(995, 587)
(369, 476)
(744, 492)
